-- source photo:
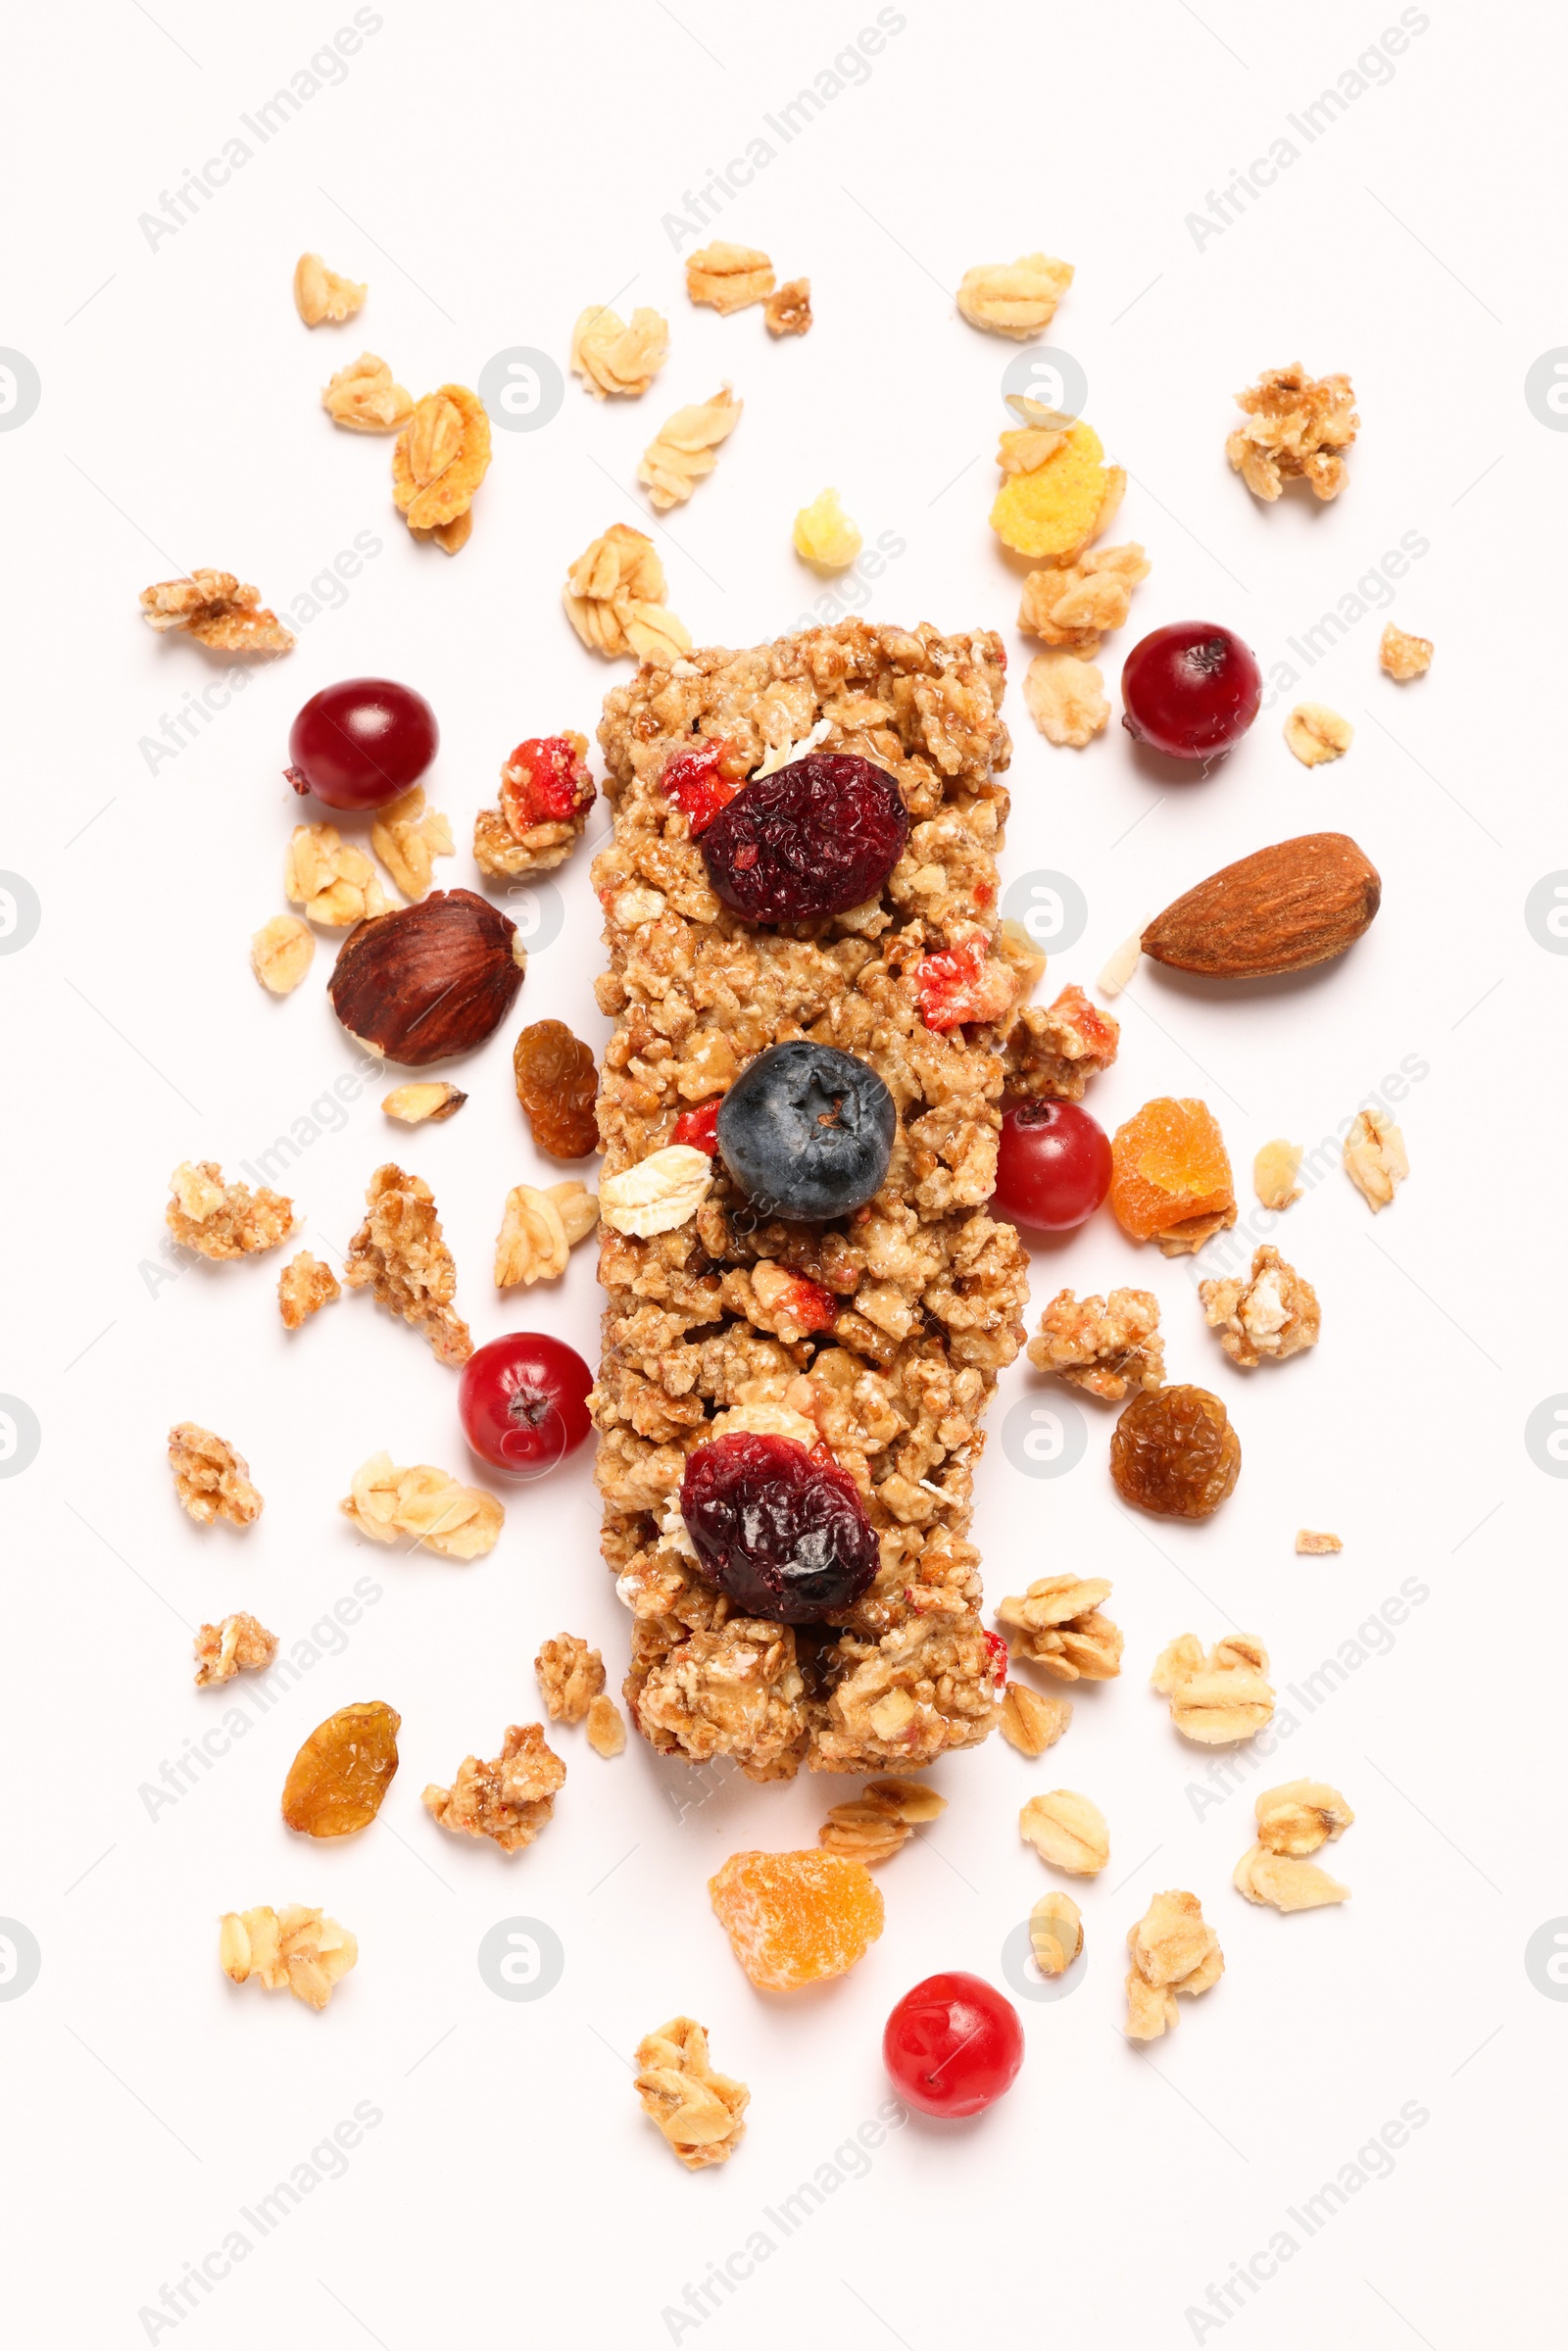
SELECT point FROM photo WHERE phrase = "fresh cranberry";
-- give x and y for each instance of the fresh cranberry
(524, 1402)
(696, 782)
(1052, 1166)
(953, 2045)
(813, 839)
(545, 781)
(783, 1531)
(1190, 690)
(361, 743)
(698, 1129)
(960, 984)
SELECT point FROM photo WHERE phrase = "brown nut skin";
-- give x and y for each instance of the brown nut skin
(1285, 909)
(336, 1782)
(1174, 1453)
(428, 981)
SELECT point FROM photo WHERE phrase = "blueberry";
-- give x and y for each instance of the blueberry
(806, 1131)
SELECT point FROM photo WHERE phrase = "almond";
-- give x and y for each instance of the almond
(1283, 908)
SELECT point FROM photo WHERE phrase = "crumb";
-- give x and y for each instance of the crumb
(363, 397)
(1065, 699)
(1313, 1546)
(823, 534)
(1173, 1950)
(613, 358)
(1067, 1830)
(280, 954)
(319, 293)
(606, 1733)
(300, 1948)
(1403, 657)
(787, 309)
(211, 1479)
(239, 1644)
(304, 1287)
(1015, 298)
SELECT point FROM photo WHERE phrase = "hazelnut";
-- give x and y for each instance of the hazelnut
(428, 981)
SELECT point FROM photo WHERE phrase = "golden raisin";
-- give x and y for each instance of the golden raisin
(1169, 1167)
(336, 1782)
(796, 1918)
(556, 1085)
(1174, 1453)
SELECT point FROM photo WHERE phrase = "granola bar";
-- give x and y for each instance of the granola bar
(928, 1291)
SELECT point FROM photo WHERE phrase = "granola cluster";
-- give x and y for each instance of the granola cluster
(331, 878)
(729, 278)
(211, 1479)
(1272, 1313)
(1296, 426)
(877, 1822)
(422, 1506)
(1173, 1950)
(1402, 655)
(438, 462)
(1057, 1624)
(508, 1800)
(929, 1291)
(304, 1287)
(224, 1220)
(1105, 1346)
(406, 837)
(1054, 1049)
(614, 599)
(239, 1644)
(322, 295)
(570, 1675)
(1031, 1721)
(399, 1256)
(1294, 1822)
(1074, 604)
(1219, 1698)
(522, 836)
(698, 2110)
(1069, 1830)
(295, 1947)
(217, 611)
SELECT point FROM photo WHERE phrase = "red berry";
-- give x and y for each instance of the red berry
(961, 984)
(1053, 1166)
(781, 1531)
(361, 743)
(953, 2045)
(545, 781)
(698, 1129)
(997, 1648)
(1190, 690)
(695, 781)
(524, 1402)
(813, 839)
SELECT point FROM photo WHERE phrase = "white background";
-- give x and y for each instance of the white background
(491, 171)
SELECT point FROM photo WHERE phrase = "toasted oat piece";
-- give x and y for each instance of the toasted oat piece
(1056, 1933)
(1375, 1157)
(611, 357)
(1052, 1051)
(1219, 1698)
(683, 451)
(211, 1479)
(319, 293)
(1273, 1313)
(606, 1733)
(509, 1799)
(301, 1948)
(333, 881)
(1065, 699)
(224, 1220)
(1297, 427)
(698, 2110)
(215, 608)
(873, 1827)
(1285, 1885)
(239, 1644)
(385, 1502)
(406, 838)
(399, 1256)
(1031, 1722)
(1074, 604)
(1274, 1172)
(727, 278)
(658, 1195)
(1069, 1830)
(1173, 1950)
(824, 535)
(787, 309)
(614, 599)
(1315, 1545)
(538, 1230)
(1015, 298)
(439, 459)
(570, 1675)
(304, 1287)
(1403, 657)
(1300, 1817)
(364, 398)
(1315, 733)
(1118, 969)
(428, 1104)
(280, 954)
(1058, 1623)
(1105, 1346)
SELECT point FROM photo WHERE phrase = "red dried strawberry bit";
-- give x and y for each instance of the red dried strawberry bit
(960, 984)
(808, 1305)
(698, 1129)
(696, 782)
(999, 1656)
(546, 781)
(1095, 1037)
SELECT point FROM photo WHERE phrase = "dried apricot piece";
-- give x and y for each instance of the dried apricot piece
(1174, 1453)
(796, 1918)
(1171, 1175)
(556, 1085)
(1053, 509)
(336, 1782)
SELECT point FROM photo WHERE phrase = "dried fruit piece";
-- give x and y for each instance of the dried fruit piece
(782, 1531)
(319, 293)
(441, 457)
(428, 981)
(1058, 494)
(1171, 1175)
(1102, 1345)
(1375, 1157)
(426, 1104)
(788, 311)
(1015, 298)
(398, 1255)
(1297, 427)
(823, 534)
(695, 779)
(614, 599)
(217, 611)
(880, 1819)
(1315, 1545)
(1032, 1722)
(546, 793)
(606, 1732)
(557, 1086)
(570, 1675)
(406, 838)
(1056, 1933)
(1273, 1313)
(385, 1502)
(728, 276)
(304, 1287)
(1054, 1049)
(1274, 1171)
(817, 837)
(337, 1780)
(1073, 605)
(1065, 699)
(612, 357)
(510, 1800)
(1175, 1454)
(1219, 1698)
(241, 1643)
(211, 1479)
(963, 985)
(698, 2110)
(333, 881)
(295, 1946)
(1173, 1950)
(1315, 733)
(224, 1220)
(1403, 657)
(658, 1194)
(1285, 1884)
(280, 954)
(1302, 1816)
(1058, 1623)
(364, 398)
(681, 452)
(1283, 908)
(1069, 1830)
(796, 1918)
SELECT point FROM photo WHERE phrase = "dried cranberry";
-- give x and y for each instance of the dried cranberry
(782, 1531)
(546, 781)
(698, 1129)
(696, 782)
(997, 1648)
(819, 836)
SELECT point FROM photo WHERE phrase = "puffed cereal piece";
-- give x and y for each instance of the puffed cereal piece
(1403, 657)
(824, 537)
